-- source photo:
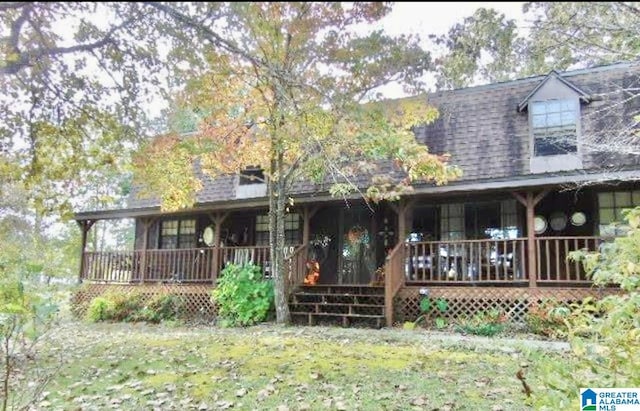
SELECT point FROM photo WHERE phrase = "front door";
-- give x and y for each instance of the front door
(357, 246)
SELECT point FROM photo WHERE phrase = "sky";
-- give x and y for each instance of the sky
(436, 17)
(425, 18)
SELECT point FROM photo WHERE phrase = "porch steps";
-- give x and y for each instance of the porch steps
(343, 304)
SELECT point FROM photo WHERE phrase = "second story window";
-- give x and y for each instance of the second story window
(555, 127)
(252, 176)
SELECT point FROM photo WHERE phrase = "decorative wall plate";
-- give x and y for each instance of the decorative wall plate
(558, 221)
(207, 236)
(540, 224)
(578, 218)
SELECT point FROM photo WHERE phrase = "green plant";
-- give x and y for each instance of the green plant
(100, 309)
(243, 296)
(603, 333)
(161, 308)
(548, 318)
(485, 323)
(25, 315)
(428, 309)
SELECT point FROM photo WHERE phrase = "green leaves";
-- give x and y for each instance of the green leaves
(242, 295)
(604, 333)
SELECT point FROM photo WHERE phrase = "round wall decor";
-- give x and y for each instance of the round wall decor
(540, 224)
(578, 218)
(207, 236)
(558, 221)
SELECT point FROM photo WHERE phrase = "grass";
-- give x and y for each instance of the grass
(133, 366)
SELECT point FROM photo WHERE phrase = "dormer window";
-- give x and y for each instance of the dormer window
(554, 125)
(250, 183)
(251, 176)
(553, 107)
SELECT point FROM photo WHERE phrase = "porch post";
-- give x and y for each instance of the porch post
(85, 226)
(307, 215)
(529, 201)
(146, 224)
(217, 219)
(402, 209)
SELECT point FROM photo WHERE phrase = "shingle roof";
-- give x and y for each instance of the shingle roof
(483, 131)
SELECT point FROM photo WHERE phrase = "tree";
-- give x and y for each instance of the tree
(488, 47)
(286, 91)
(484, 47)
(76, 79)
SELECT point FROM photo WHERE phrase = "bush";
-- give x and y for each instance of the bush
(429, 309)
(100, 309)
(603, 334)
(549, 318)
(485, 323)
(134, 308)
(125, 306)
(243, 296)
(168, 307)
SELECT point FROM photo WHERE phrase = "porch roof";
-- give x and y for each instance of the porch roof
(523, 182)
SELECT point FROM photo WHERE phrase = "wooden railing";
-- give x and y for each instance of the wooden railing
(257, 255)
(179, 266)
(554, 266)
(394, 279)
(116, 267)
(190, 265)
(295, 268)
(467, 261)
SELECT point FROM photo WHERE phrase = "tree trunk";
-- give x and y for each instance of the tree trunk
(277, 203)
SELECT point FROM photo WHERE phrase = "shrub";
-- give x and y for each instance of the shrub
(167, 307)
(428, 309)
(100, 309)
(125, 306)
(485, 323)
(603, 334)
(548, 318)
(243, 296)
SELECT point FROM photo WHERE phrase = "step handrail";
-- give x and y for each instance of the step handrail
(393, 278)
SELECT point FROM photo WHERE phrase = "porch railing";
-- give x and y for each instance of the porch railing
(180, 265)
(394, 279)
(471, 261)
(257, 255)
(295, 267)
(554, 266)
(192, 265)
(118, 267)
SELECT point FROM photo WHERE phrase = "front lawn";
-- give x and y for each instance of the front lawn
(135, 366)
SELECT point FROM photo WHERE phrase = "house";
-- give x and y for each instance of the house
(548, 165)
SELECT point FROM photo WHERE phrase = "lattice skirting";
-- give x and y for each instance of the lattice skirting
(197, 298)
(466, 301)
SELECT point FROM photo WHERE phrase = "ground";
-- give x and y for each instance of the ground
(137, 366)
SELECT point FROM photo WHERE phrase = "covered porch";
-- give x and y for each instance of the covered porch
(501, 238)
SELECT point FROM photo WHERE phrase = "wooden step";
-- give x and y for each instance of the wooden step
(337, 299)
(317, 307)
(341, 289)
(379, 319)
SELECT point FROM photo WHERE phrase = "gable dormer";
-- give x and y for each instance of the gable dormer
(554, 124)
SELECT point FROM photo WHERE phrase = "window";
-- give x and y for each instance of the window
(452, 222)
(555, 127)
(611, 206)
(262, 229)
(291, 229)
(178, 234)
(252, 176)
